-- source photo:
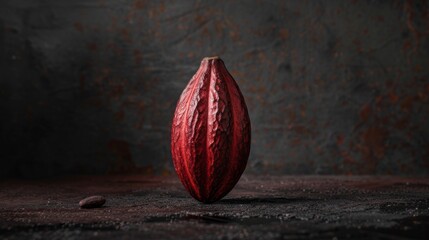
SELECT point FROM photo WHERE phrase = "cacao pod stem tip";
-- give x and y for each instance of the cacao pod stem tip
(212, 58)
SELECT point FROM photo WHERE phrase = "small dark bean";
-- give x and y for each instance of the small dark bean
(92, 202)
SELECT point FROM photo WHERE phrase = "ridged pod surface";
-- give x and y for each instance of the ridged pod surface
(210, 134)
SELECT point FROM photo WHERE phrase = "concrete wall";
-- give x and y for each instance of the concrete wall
(333, 87)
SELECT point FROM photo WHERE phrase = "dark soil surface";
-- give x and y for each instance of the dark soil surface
(260, 207)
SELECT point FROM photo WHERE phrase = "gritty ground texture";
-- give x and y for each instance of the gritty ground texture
(268, 207)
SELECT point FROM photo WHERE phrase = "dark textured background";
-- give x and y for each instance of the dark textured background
(332, 87)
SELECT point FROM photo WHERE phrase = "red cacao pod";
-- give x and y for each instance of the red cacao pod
(210, 134)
